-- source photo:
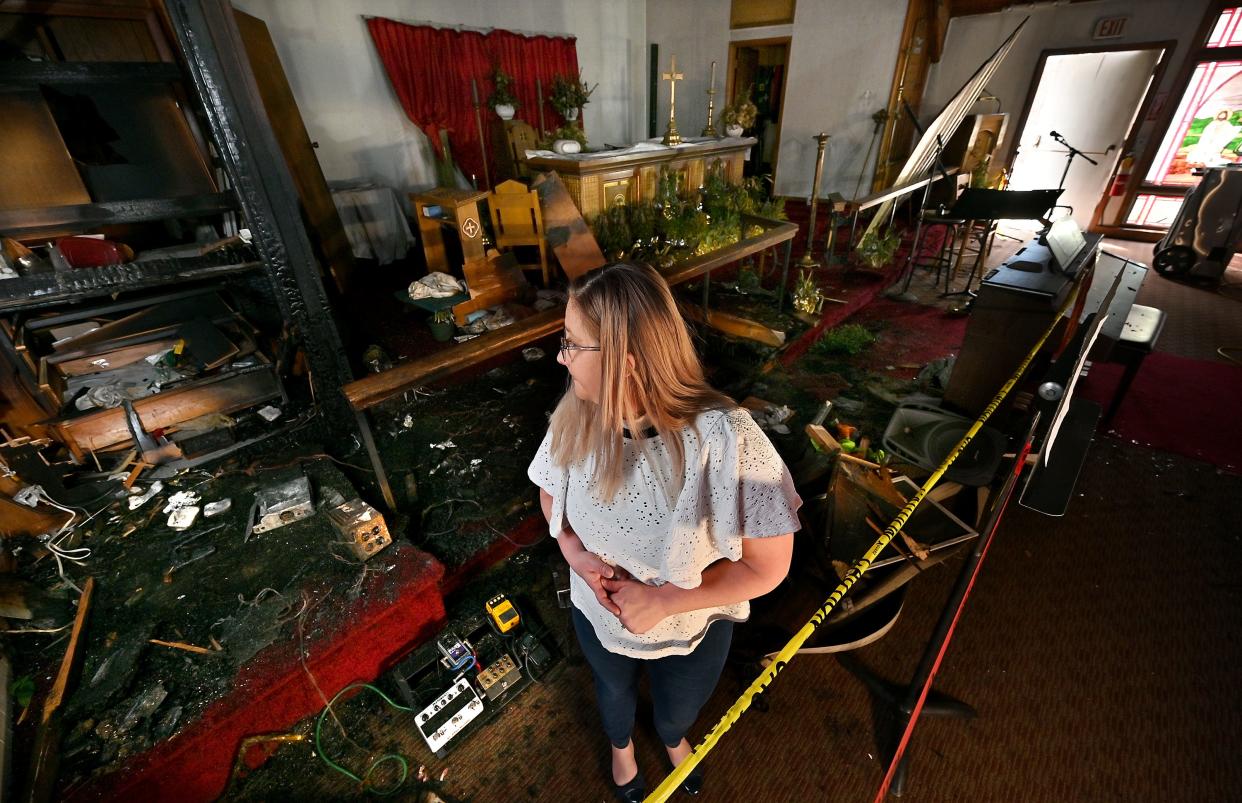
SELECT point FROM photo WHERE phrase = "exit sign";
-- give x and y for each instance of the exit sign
(1110, 28)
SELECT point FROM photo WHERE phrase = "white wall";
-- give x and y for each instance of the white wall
(697, 33)
(971, 39)
(350, 109)
(841, 61)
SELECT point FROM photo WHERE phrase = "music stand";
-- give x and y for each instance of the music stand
(976, 204)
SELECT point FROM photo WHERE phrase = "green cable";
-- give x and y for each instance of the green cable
(400, 759)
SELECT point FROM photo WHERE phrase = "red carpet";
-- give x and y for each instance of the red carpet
(1178, 405)
(345, 641)
(912, 334)
(855, 286)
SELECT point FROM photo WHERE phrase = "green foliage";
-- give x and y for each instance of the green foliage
(567, 131)
(877, 250)
(23, 690)
(502, 89)
(612, 231)
(682, 225)
(568, 93)
(747, 280)
(666, 195)
(641, 218)
(850, 339)
(807, 297)
(444, 315)
(704, 222)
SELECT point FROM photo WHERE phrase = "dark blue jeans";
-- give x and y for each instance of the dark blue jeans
(680, 684)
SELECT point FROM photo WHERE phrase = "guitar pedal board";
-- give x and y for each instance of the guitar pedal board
(448, 715)
(497, 678)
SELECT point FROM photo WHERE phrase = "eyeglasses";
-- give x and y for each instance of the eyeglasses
(568, 347)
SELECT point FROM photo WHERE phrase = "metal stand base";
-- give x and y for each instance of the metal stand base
(890, 697)
(897, 294)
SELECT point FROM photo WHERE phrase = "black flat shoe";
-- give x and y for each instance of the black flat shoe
(632, 792)
(694, 782)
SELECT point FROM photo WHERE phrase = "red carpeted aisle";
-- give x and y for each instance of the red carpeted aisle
(344, 640)
(1178, 405)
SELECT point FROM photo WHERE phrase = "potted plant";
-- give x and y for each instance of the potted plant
(568, 139)
(739, 115)
(503, 100)
(441, 325)
(569, 95)
(877, 250)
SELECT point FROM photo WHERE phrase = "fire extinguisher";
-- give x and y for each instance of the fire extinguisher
(1122, 178)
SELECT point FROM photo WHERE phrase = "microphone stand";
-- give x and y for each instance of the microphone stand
(1069, 161)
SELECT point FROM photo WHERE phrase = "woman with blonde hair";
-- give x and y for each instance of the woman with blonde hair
(669, 504)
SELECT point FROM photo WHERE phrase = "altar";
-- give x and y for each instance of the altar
(601, 179)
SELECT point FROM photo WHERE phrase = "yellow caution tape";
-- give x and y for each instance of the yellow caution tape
(786, 654)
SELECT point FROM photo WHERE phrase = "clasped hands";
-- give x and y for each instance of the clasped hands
(639, 606)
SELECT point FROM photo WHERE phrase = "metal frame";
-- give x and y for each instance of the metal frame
(220, 70)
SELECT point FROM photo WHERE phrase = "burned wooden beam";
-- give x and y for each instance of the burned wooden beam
(225, 393)
(69, 73)
(369, 391)
(45, 756)
(29, 222)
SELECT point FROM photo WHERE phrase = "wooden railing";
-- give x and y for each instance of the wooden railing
(364, 394)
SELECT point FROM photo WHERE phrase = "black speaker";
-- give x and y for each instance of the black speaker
(924, 435)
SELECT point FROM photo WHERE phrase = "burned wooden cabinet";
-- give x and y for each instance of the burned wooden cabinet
(204, 256)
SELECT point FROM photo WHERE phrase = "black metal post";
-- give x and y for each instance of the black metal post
(780, 296)
(924, 675)
(221, 73)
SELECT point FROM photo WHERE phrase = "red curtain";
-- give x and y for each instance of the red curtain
(430, 69)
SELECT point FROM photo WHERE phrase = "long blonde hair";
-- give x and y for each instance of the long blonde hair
(630, 309)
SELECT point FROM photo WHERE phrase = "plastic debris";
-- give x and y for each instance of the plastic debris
(29, 496)
(497, 318)
(183, 517)
(181, 499)
(143, 707)
(216, 508)
(436, 284)
(140, 498)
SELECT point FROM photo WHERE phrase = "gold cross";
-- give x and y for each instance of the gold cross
(671, 135)
(672, 76)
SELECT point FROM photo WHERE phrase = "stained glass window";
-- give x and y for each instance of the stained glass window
(1153, 210)
(1207, 128)
(1228, 30)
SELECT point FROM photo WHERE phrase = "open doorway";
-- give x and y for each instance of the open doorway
(1088, 99)
(761, 66)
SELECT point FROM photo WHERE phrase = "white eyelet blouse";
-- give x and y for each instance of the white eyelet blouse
(735, 485)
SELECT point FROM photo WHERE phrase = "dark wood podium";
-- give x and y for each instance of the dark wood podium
(1016, 303)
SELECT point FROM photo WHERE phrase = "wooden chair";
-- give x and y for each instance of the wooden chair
(518, 139)
(517, 219)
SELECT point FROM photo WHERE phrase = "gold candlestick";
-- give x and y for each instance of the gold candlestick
(808, 260)
(671, 135)
(709, 130)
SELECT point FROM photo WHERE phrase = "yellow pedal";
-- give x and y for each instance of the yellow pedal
(503, 613)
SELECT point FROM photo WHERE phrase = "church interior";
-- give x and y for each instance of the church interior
(968, 264)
